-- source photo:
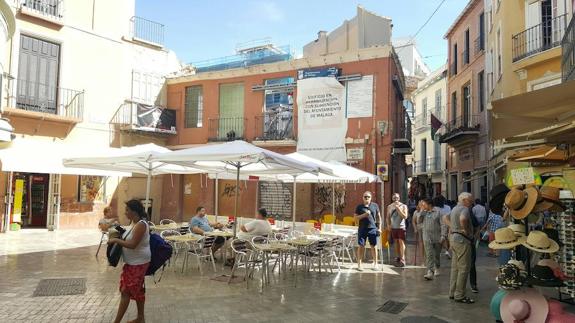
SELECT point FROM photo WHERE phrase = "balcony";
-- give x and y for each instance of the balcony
(402, 140)
(422, 121)
(50, 10)
(147, 31)
(568, 53)
(429, 165)
(275, 126)
(226, 129)
(143, 118)
(479, 45)
(539, 38)
(460, 130)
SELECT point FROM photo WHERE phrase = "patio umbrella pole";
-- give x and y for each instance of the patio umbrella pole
(237, 200)
(333, 199)
(293, 204)
(148, 184)
(217, 195)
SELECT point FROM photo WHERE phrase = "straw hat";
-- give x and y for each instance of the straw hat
(521, 202)
(540, 242)
(518, 229)
(505, 239)
(549, 200)
(526, 306)
(497, 197)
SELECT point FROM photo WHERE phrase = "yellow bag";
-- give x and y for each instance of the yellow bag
(385, 238)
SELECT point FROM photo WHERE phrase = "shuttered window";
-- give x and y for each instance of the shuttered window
(194, 108)
(231, 109)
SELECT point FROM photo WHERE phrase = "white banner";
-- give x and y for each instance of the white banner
(322, 124)
(360, 97)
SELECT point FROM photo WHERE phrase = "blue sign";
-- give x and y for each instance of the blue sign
(317, 72)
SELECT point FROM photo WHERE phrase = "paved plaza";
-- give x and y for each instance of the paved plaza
(348, 296)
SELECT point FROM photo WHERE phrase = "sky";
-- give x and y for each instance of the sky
(198, 30)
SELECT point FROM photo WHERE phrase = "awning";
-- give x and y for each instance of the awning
(6, 130)
(38, 156)
(543, 153)
(533, 111)
(475, 175)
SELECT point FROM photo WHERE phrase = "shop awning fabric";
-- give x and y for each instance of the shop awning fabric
(543, 153)
(533, 111)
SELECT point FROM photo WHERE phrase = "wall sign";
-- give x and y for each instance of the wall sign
(359, 97)
(355, 154)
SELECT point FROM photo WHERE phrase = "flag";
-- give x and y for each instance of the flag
(435, 125)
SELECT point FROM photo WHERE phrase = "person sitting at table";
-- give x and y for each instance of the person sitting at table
(257, 227)
(199, 224)
(109, 219)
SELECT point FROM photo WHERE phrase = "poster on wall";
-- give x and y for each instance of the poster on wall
(359, 97)
(89, 189)
(322, 124)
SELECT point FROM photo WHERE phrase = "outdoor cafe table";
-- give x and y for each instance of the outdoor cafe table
(163, 227)
(223, 234)
(184, 238)
(267, 248)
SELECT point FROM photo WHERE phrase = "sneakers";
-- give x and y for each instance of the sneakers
(474, 289)
(400, 263)
(436, 272)
(429, 275)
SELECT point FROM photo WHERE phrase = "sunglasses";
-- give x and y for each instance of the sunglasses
(367, 197)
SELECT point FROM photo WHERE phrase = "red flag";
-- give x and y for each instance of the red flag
(435, 125)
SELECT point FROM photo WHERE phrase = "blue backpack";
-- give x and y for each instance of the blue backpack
(161, 253)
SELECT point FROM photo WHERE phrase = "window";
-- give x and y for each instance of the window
(438, 99)
(466, 48)
(231, 121)
(481, 39)
(424, 108)
(498, 51)
(466, 106)
(194, 108)
(454, 106)
(481, 90)
(454, 63)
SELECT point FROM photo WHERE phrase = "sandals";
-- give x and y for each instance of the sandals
(465, 300)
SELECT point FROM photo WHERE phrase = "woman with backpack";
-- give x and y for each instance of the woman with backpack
(136, 254)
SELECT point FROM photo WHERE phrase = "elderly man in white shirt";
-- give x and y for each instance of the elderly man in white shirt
(258, 227)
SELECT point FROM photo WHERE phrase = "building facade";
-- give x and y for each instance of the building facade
(523, 55)
(466, 128)
(258, 104)
(75, 78)
(429, 162)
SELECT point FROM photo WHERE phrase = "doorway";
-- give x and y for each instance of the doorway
(30, 199)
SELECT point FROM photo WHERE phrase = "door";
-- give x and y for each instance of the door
(533, 36)
(54, 201)
(546, 24)
(38, 67)
(231, 122)
(423, 160)
(466, 106)
(38, 187)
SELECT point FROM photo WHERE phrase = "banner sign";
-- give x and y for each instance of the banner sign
(355, 154)
(322, 124)
(156, 119)
(359, 98)
(18, 199)
(317, 72)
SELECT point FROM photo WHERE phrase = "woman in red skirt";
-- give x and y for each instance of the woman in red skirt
(136, 255)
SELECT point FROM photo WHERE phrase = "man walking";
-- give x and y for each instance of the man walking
(461, 233)
(478, 218)
(368, 216)
(430, 222)
(396, 216)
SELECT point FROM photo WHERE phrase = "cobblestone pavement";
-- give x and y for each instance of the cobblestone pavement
(348, 296)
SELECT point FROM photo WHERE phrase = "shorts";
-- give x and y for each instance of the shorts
(132, 281)
(367, 234)
(398, 234)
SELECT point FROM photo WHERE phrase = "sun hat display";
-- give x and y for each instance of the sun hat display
(549, 263)
(549, 200)
(497, 198)
(566, 195)
(538, 241)
(521, 202)
(505, 239)
(510, 277)
(495, 304)
(543, 276)
(517, 263)
(526, 306)
(553, 235)
(518, 229)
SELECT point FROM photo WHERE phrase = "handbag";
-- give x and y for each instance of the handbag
(114, 251)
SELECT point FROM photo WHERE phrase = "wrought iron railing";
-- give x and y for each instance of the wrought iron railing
(419, 167)
(146, 30)
(39, 97)
(539, 38)
(49, 8)
(433, 164)
(226, 129)
(275, 126)
(479, 44)
(423, 120)
(568, 53)
(145, 118)
(462, 123)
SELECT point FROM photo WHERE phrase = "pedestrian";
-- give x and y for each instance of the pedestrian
(396, 215)
(136, 254)
(430, 221)
(368, 216)
(478, 217)
(440, 203)
(461, 239)
(494, 222)
(417, 233)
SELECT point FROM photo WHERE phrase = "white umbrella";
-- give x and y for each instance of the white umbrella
(237, 157)
(136, 159)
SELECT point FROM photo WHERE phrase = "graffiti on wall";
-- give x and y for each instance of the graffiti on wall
(323, 199)
(230, 190)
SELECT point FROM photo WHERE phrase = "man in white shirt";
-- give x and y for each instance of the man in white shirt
(258, 227)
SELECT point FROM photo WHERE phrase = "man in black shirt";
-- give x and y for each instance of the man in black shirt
(368, 217)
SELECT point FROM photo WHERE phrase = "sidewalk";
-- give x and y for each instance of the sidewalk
(39, 240)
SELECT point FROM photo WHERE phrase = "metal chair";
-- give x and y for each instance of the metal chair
(320, 250)
(342, 247)
(104, 234)
(151, 224)
(243, 256)
(175, 245)
(202, 249)
(167, 221)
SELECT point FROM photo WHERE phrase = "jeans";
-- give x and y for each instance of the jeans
(460, 264)
(432, 254)
(472, 270)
